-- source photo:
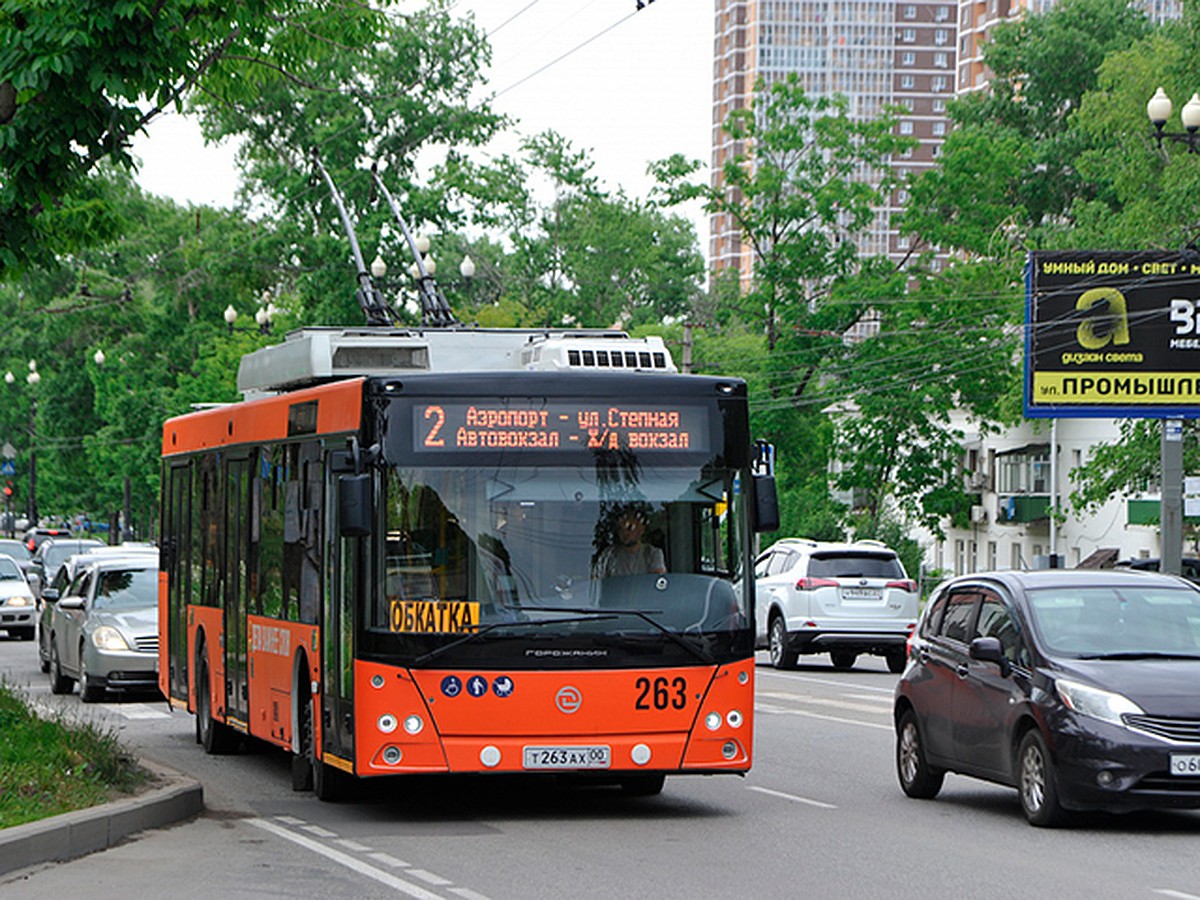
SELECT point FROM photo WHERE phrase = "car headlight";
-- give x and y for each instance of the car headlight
(1090, 701)
(108, 638)
(19, 601)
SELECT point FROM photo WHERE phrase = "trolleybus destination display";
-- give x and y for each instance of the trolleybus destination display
(1113, 334)
(555, 425)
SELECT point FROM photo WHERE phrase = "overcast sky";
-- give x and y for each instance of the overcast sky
(630, 86)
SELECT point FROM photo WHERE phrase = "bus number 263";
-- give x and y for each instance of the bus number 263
(661, 693)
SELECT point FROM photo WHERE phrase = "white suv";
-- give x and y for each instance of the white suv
(840, 599)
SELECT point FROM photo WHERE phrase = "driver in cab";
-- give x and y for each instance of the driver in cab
(630, 555)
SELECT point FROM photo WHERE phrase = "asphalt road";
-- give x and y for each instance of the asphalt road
(821, 815)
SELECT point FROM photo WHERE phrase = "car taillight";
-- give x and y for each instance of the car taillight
(808, 584)
(907, 585)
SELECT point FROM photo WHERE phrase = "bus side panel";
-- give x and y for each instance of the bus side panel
(164, 663)
(274, 644)
(207, 623)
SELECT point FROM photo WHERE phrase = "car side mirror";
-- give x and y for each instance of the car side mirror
(72, 603)
(989, 649)
(50, 594)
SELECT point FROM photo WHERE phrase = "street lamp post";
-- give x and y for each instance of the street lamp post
(32, 379)
(1158, 109)
(1170, 516)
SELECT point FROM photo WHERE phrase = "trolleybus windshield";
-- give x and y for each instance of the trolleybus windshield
(529, 548)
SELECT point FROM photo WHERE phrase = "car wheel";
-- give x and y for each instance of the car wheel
(59, 683)
(1037, 783)
(781, 656)
(896, 662)
(843, 659)
(643, 785)
(89, 692)
(918, 779)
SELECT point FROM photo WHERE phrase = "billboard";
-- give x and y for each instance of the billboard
(1113, 334)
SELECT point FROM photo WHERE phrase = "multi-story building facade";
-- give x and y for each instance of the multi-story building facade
(876, 53)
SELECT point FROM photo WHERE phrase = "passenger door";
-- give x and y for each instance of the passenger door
(945, 657)
(68, 624)
(986, 698)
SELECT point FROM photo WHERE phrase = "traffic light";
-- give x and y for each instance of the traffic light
(8, 490)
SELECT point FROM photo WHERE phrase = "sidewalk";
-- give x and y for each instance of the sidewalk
(70, 835)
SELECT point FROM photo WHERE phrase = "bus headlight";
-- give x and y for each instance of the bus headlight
(387, 723)
(414, 724)
(108, 638)
(734, 718)
(712, 721)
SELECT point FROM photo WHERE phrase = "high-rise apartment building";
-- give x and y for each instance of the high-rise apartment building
(875, 52)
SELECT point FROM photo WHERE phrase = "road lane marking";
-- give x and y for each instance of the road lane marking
(136, 711)
(388, 860)
(831, 682)
(468, 894)
(805, 800)
(319, 831)
(824, 701)
(1178, 895)
(435, 880)
(352, 845)
(784, 711)
(344, 859)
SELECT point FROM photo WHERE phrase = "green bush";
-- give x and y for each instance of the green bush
(53, 765)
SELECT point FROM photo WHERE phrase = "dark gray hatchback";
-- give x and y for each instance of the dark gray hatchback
(1077, 687)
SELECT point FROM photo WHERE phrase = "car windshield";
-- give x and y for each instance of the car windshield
(9, 570)
(1126, 620)
(15, 549)
(58, 551)
(127, 589)
(854, 565)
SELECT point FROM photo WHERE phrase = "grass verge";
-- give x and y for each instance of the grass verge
(55, 765)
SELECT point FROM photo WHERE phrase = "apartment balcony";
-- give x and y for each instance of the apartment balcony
(1018, 509)
(1146, 512)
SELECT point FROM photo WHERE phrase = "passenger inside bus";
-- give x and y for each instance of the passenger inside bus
(629, 554)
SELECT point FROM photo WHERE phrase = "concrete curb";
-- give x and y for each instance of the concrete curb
(84, 831)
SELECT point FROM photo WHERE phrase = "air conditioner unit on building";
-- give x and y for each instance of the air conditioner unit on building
(978, 514)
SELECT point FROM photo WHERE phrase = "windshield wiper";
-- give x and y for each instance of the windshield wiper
(474, 635)
(701, 654)
(1140, 654)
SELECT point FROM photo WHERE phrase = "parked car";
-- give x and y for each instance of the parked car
(840, 599)
(104, 630)
(50, 554)
(17, 609)
(1076, 687)
(65, 574)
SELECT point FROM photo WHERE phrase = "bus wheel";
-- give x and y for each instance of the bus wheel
(216, 737)
(643, 785)
(302, 767)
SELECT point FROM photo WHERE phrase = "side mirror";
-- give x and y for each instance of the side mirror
(72, 603)
(764, 498)
(50, 594)
(766, 503)
(354, 505)
(989, 649)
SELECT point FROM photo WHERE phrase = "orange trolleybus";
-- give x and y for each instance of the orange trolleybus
(390, 558)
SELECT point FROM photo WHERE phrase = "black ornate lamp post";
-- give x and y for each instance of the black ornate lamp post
(1158, 109)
